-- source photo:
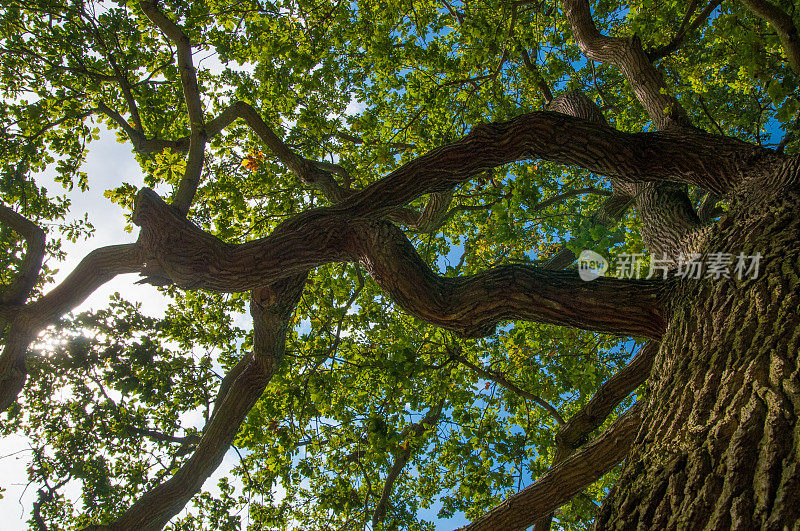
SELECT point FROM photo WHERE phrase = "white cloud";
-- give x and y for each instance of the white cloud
(354, 107)
(108, 164)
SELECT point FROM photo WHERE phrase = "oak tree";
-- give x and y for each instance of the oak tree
(365, 218)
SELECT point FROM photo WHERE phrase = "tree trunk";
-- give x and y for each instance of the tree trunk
(719, 445)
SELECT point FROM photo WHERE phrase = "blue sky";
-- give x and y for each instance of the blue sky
(108, 164)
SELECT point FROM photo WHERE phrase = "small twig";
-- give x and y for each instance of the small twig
(502, 380)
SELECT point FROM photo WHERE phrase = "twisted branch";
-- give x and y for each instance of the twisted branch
(21, 286)
(566, 479)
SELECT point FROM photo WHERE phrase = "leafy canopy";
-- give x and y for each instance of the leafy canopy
(116, 399)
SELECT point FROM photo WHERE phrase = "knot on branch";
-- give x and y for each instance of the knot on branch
(173, 250)
(263, 296)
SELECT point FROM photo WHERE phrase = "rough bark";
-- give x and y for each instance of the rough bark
(471, 305)
(577, 430)
(668, 218)
(172, 250)
(628, 56)
(711, 162)
(719, 444)
(669, 221)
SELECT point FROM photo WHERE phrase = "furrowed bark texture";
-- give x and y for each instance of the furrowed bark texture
(719, 446)
(580, 426)
(171, 252)
(711, 162)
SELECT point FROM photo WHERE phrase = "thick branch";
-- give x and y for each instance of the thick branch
(563, 481)
(627, 55)
(783, 24)
(174, 33)
(664, 207)
(97, 268)
(184, 195)
(337, 234)
(412, 432)
(12, 364)
(191, 92)
(270, 324)
(594, 413)
(611, 393)
(668, 218)
(23, 283)
(471, 306)
(712, 162)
